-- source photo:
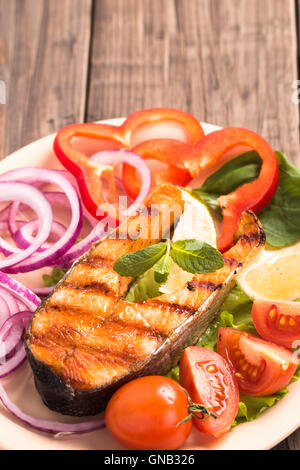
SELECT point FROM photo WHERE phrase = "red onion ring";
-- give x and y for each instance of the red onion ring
(4, 310)
(19, 291)
(52, 254)
(80, 248)
(35, 199)
(16, 296)
(116, 157)
(43, 291)
(9, 341)
(10, 300)
(49, 426)
(23, 237)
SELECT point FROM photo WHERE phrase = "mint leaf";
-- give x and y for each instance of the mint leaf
(137, 262)
(162, 268)
(195, 256)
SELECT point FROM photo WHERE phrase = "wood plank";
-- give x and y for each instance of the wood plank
(229, 63)
(44, 50)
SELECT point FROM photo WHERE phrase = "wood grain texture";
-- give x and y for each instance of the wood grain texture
(44, 48)
(229, 62)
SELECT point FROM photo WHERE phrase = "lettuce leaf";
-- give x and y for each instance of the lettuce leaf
(52, 279)
(251, 407)
(144, 287)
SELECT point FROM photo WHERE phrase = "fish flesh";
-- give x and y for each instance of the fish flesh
(86, 340)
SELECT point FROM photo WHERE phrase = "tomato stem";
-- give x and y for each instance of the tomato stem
(194, 408)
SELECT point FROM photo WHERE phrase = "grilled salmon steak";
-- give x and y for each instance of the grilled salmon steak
(85, 340)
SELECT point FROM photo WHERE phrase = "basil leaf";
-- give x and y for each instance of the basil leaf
(211, 200)
(195, 256)
(281, 219)
(137, 262)
(162, 268)
(232, 174)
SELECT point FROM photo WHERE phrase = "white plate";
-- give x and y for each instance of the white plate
(265, 432)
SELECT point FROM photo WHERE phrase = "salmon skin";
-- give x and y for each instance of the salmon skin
(85, 340)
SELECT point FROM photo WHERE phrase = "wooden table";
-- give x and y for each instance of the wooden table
(228, 62)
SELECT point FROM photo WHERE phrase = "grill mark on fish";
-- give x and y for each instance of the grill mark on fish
(174, 307)
(232, 262)
(251, 237)
(206, 285)
(98, 261)
(142, 330)
(67, 300)
(64, 308)
(65, 339)
(95, 287)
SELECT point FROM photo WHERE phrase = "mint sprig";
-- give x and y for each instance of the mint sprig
(163, 266)
(193, 256)
(137, 262)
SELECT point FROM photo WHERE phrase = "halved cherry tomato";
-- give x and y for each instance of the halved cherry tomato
(261, 368)
(209, 380)
(277, 321)
(143, 414)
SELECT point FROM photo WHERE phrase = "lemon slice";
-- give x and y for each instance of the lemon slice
(195, 222)
(274, 276)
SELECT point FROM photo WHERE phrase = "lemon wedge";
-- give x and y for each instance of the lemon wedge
(274, 276)
(195, 222)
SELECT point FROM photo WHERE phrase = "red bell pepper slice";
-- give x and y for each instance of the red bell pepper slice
(255, 195)
(89, 174)
(207, 153)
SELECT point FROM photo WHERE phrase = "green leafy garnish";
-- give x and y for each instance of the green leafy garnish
(250, 407)
(232, 174)
(144, 287)
(281, 218)
(195, 256)
(191, 255)
(137, 262)
(54, 278)
(162, 267)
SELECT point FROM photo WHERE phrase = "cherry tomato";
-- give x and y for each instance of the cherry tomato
(143, 414)
(277, 321)
(210, 381)
(261, 367)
